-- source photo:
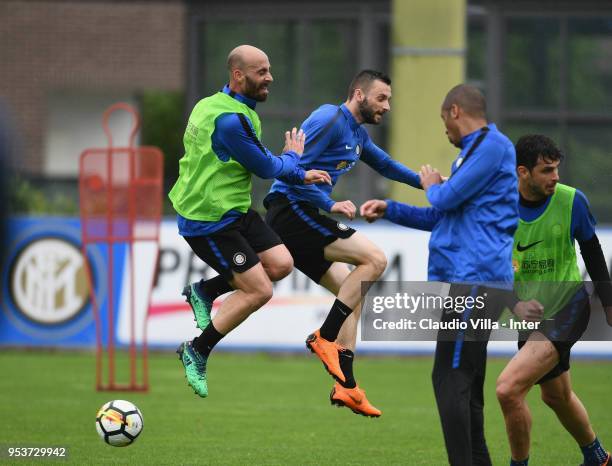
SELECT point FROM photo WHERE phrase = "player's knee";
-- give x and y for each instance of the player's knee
(263, 295)
(506, 393)
(281, 269)
(555, 399)
(378, 260)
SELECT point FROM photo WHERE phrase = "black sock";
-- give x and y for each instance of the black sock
(346, 364)
(594, 453)
(214, 287)
(524, 462)
(334, 320)
(207, 340)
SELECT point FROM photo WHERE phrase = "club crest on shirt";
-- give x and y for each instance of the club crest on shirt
(342, 226)
(239, 258)
(357, 149)
(341, 165)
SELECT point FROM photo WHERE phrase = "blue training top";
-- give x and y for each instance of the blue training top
(235, 137)
(334, 143)
(473, 216)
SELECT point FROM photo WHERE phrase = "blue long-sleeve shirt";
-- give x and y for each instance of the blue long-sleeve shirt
(473, 216)
(335, 142)
(235, 137)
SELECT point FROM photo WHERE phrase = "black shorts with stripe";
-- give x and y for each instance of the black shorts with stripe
(563, 330)
(305, 232)
(234, 248)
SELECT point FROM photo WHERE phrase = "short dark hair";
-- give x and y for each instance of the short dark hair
(532, 147)
(364, 79)
(468, 98)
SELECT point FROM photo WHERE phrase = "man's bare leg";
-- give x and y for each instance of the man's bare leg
(337, 279)
(535, 359)
(559, 396)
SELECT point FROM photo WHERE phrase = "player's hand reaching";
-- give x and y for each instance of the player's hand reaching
(317, 176)
(346, 208)
(429, 176)
(294, 141)
(530, 311)
(373, 209)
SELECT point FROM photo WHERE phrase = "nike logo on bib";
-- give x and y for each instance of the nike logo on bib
(520, 248)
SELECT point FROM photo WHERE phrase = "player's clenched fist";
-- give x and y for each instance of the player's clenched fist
(373, 209)
(530, 311)
(346, 208)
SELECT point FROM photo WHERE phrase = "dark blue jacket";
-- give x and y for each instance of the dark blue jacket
(473, 215)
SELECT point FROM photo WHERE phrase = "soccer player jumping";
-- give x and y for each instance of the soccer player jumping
(322, 247)
(212, 198)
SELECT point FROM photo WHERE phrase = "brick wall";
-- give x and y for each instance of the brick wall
(91, 46)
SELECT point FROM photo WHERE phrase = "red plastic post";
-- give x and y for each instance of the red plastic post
(99, 201)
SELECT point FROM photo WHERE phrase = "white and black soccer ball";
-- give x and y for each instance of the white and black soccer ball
(119, 423)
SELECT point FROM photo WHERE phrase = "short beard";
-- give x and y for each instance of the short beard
(250, 90)
(367, 114)
(537, 192)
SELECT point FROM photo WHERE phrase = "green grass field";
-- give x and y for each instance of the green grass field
(267, 410)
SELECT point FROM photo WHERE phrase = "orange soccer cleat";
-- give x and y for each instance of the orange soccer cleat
(353, 398)
(327, 352)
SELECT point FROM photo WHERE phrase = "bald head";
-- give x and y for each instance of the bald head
(468, 98)
(249, 72)
(244, 55)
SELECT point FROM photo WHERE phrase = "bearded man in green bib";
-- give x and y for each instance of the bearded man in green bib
(552, 217)
(212, 198)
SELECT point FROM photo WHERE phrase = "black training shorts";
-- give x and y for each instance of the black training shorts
(234, 248)
(305, 232)
(563, 330)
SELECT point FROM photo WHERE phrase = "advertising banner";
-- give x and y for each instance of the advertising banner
(45, 294)
(45, 302)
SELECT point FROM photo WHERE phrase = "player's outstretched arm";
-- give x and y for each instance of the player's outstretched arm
(419, 218)
(234, 137)
(382, 162)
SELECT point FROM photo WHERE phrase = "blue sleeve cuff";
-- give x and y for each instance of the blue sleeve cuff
(300, 174)
(391, 210)
(329, 203)
(292, 154)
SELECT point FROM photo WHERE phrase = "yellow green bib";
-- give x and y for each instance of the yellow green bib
(544, 256)
(208, 187)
